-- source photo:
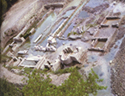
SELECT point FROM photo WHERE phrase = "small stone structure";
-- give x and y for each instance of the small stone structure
(54, 5)
(48, 48)
(112, 17)
(74, 37)
(70, 54)
(17, 39)
(51, 40)
(79, 30)
(17, 42)
(116, 25)
(95, 41)
(104, 25)
(37, 38)
(24, 52)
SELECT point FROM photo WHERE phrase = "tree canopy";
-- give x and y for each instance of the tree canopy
(74, 86)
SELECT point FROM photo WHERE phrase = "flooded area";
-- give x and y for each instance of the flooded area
(92, 58)
(100, 44)
(69, 29)
(68, 13)
(66, 33)
(109, 22)
(110, 56)
(94, 3)
(42, 29)
(83, 14)
(73, 3)
(57, 26)
(103, 71)
(43, 26)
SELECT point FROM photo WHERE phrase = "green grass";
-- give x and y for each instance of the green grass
(14, 67)
(66, 70)
(91, 25)
(4, 58)
(38, 86)
(28, 70)
(74, 33)
(27, 33)
(69, 34)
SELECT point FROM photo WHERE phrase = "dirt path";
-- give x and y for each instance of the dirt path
(10, 76)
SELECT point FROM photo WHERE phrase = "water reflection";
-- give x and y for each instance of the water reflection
(83, 14)
(94, 3)
(44, 25)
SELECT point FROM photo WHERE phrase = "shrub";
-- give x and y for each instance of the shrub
(74, 86)
(66, 70)
(74, 33)
(69, 34)
(8, 89)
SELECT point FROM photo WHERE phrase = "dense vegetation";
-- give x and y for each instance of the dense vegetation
(74, 86)
(5, 5)
(8, 89)
(37, 85)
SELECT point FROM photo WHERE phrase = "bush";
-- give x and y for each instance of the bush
(4, 58)
(69, 34)
(74, 86)
(8, 89)
(28, 70)
(74, 33)
(66, 70)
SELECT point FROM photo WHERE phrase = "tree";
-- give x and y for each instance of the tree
(74, 86)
